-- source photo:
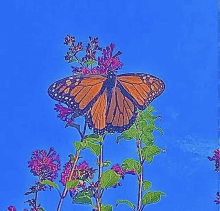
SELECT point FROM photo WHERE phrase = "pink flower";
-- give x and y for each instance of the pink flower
(45, 165)
(11, 208)
(216, 158)
(81, 171)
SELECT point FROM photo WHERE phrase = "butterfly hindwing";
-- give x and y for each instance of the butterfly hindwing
(141, 88)
(117, 116)
(78, 92)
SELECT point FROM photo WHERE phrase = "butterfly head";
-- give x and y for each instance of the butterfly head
(110, 74)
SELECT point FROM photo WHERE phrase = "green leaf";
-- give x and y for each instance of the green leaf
(79, 145)
(109, 178)
(72, 184)
(125, 202)
(83, 197)
(147, 139)
(50, 183)
(149, 152)
(106, 207)
(91, 138)
(160, 130)
(131, 133)
(150, 109)
(96, 149)
(89, 62)
(146, 185)
(130, 164)
(106, 163)
(152, 197)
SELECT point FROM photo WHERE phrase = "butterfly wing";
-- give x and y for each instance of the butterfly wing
(116, 116)
(141, 88)
(78, 92)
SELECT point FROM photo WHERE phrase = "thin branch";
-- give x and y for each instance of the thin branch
(140, 177)
(76, 157)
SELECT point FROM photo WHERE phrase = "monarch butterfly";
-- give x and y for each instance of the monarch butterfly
(108, 102)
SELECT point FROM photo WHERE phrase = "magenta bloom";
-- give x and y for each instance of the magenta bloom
(217, 201)
(82, 171)
(118, 169)
(45, 165)
(11, 208)
(216, 158)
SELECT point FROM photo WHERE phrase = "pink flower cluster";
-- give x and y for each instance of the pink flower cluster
(64, 112)
(105, 63)
(80, 171)
(118, 169)
(216, 158)
(45, 165)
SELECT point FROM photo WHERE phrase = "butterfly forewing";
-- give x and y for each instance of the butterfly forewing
(79, 93)
(142, 89)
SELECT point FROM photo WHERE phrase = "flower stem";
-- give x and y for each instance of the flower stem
(76, 157)
(140, 177)
(100, 162)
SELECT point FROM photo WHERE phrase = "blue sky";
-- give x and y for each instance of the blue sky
(174, 40)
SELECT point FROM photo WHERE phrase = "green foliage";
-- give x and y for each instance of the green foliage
(106, 207)
(50, 183)
(108, 179)
(83, 197)
(72, 184)
(149, 152)
(131, 133)
(152, 197)
(95, 148)
(79, 145)
(91, 142)
(130, 164)
(146, 185)
(126, 202)
(90, 62)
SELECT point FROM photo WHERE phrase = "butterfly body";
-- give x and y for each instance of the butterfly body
(108, 102)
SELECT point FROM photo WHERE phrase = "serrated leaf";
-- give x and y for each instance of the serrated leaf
(106, 207)
(130, 164)
(149, 152)
(146, 185)
(79, 145)
(152, 197)
(50, 183)
(96, 149)
(83, 197)
(125, 202)
(72, 184)
(131, 133)
(147, 139)
(91, 138)
(108, 179)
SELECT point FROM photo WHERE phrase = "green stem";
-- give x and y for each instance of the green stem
(140, 177)
(76, 157)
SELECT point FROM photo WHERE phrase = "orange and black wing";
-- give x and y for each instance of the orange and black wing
(140, 88)
(116, 116)
(78, 92)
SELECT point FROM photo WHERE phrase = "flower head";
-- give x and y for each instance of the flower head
(81, 171)
(11, 208)
(216, 158)
(118, 169)
(45, 165)
(64, 112)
